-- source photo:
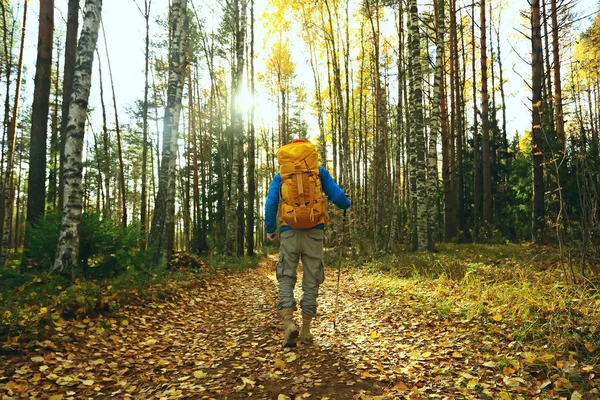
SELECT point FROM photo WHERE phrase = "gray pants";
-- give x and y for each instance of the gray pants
(296, 244)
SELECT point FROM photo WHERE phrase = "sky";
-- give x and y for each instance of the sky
(125, 33)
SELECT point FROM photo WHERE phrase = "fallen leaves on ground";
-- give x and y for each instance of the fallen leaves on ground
(223, 341)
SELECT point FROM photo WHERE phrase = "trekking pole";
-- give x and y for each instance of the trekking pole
(337, 291)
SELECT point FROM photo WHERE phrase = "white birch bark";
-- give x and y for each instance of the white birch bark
(432, 170)
(418, 130)
(161, 234)
(67, 254)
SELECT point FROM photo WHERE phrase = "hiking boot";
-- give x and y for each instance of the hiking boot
(290, 332)
(305, 336)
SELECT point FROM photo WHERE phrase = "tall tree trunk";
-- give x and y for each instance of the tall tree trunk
(417, 130)
(162, 221)
(107, 210)
(7, 41)
(144, 177)
(505, 155)
(236, 212)
(476, 152)
(118, 131)
(432, 171)
(67, 254)
(251, 146)
(36, 192)
(20, 207)
(537, 136)
(7, 184)
(380, 127)
(459, 135)
(54, 143)
(547, 84)
(448, 142)
(488, 205)
(67, 87)
(558, 113)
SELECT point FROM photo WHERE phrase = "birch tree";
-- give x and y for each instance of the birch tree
(432, 171)
(161, 233)
(420, 194)
(67, 254)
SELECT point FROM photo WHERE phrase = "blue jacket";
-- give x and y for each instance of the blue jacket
(331, 189)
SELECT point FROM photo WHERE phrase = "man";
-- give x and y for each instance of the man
(295, 201)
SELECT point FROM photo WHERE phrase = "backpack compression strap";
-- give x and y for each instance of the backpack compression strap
(300, 185)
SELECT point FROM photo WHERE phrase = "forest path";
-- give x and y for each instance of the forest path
(223, 341)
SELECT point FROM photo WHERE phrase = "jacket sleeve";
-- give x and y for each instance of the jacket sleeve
(331, 189)
(272, 204)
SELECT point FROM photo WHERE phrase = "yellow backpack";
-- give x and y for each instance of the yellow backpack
(302, 204)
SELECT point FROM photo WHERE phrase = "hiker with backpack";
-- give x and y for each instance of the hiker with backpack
(296, 204)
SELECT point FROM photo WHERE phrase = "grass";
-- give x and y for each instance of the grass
(521, 285)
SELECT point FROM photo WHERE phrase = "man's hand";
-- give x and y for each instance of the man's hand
(273, 237)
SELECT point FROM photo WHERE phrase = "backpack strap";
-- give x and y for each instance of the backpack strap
(298, 173)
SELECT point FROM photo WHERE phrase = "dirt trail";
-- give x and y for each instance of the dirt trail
(223, 341)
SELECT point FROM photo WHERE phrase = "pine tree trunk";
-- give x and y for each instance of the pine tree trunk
(504, 144)
(476, 151)
(122, 186)
(7, 184)
(235, 214)
(107, 210)
(36, 193)
(560, 121)
(538, 225)
(487, 161)
(67, 87)
(162, 231)
(448, 148)
(459, 132)
(144, 190)
(7, 41)
(251, 146)
(67, 254)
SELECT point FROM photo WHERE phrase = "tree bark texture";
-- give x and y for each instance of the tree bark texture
(162, 221)
(488, 205)
(67, 85)
(67, 254)
(236, 212)
(7, 186)
(538, 224)
(558, 107)
(432, 170)
(417, 130)
(251, 147)
(144, 190)
(36, 193)
(476, 150)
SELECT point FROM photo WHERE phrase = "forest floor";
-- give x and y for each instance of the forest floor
(222, 339)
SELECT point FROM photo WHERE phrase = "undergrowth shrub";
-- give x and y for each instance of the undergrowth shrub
(105, 249)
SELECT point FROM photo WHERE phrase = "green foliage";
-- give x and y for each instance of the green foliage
(520, 189)
(105, 248)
